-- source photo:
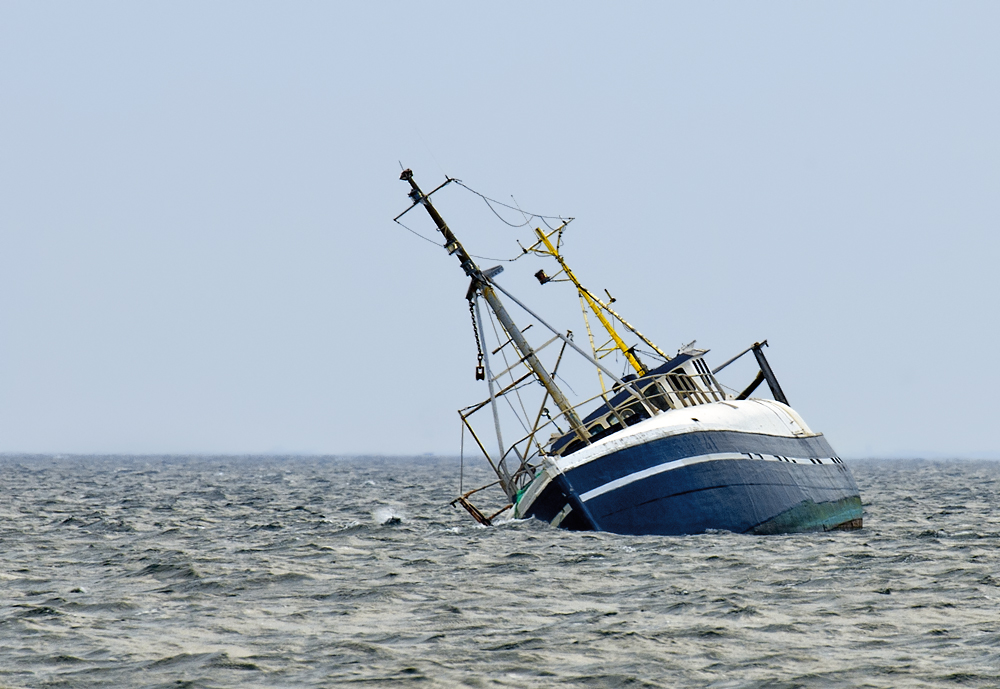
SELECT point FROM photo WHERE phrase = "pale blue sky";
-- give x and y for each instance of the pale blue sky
(197, 253)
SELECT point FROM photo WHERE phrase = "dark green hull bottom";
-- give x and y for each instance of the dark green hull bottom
(842, 515)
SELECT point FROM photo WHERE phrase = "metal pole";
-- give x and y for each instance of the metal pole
(504, 474)
(481, 283)
(629, 387)
(532, 360)
(765, 368)
(554, 252)
(629, 354)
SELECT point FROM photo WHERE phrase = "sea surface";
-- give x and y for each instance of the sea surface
(325, 572)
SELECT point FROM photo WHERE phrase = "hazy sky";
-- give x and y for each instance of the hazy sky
(197, 253)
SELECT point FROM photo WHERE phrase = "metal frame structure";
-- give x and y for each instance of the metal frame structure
(688, 384)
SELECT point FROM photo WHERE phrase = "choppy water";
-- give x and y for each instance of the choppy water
(304, 572)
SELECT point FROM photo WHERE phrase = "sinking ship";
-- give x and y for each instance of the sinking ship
(661, 449)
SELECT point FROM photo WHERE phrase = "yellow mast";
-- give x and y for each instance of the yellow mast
(596, 305)
(590, 335)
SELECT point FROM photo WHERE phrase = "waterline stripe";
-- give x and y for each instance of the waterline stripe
(688, 461)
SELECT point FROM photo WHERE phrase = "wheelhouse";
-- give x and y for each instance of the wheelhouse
(684, 381)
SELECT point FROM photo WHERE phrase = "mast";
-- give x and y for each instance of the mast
(481, 283)
(597, 306)
(629, 354)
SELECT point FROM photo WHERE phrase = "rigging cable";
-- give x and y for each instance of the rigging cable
(505, 260)
(426, 239)
(484, 258)
(510, 372)
(489, 202)
(565, 383)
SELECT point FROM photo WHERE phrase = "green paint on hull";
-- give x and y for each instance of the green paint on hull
(844, 514)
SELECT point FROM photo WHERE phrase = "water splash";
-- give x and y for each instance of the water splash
(387, 516)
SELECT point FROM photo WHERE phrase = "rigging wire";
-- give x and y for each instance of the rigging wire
(546, 222)
(504, 220)
(428, 239)
(528, 217)
(490, 202)
(505, 260)
(510, 372)
(733, 390)
(650, 354)
(408, 229)
(565, 383)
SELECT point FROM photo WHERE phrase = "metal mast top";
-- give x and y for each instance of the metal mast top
(481, 283)
(596, 304)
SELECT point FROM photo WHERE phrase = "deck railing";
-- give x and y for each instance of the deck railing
(661, 392)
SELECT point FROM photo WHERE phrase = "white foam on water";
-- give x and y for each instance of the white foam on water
(386, 515)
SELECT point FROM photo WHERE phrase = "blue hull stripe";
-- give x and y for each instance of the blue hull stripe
(687, 461)
(631, 460)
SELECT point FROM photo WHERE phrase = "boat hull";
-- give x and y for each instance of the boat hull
(692, 482)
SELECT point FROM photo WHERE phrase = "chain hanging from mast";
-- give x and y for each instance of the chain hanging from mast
(480, 371)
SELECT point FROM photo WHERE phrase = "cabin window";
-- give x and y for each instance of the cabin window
(681, 382)
(706, 378)
(702, 372)
(684, 387)
(633, 414)
(655, 394)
